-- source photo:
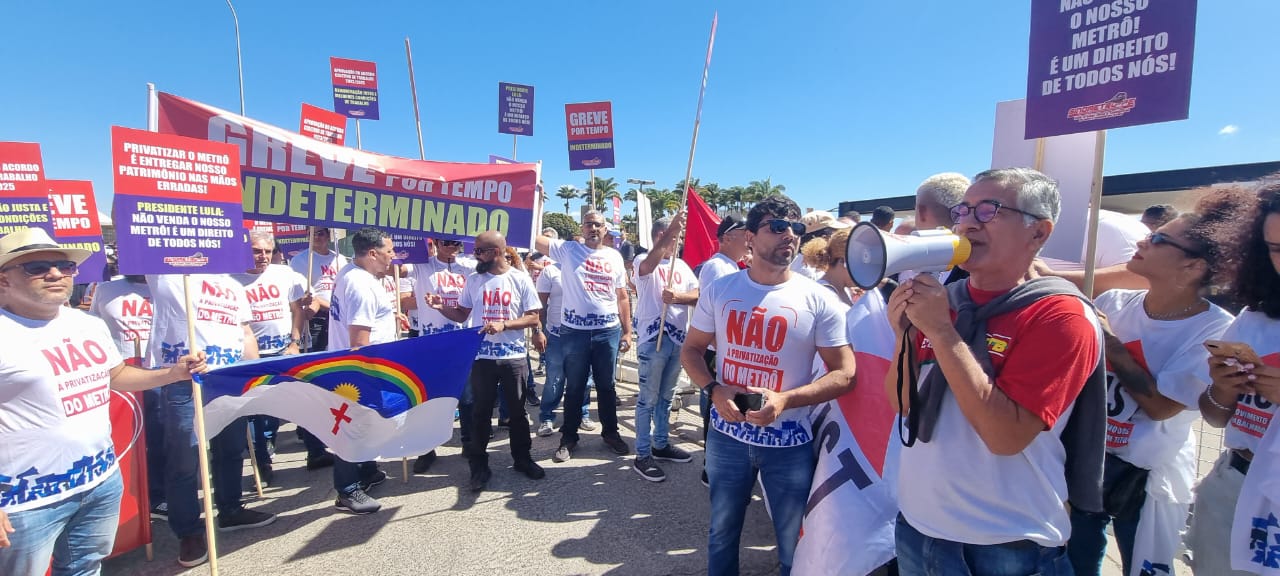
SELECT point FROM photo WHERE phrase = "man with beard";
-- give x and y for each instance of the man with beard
(767, 324)
(595, 327)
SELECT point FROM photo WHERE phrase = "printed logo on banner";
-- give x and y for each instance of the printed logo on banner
(1118, 105)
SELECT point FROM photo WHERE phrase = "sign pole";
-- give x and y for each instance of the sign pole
(417, 118)
(592, 186)
(688, 173)
(1095, 205)
(197, 398)
(514, 139)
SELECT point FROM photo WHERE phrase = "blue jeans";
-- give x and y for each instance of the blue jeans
(920, 555)
(1088, 544)
(77, 533)
(182, 472)
(594, 353)
(787, 475)
(659, 371)
(553, 389)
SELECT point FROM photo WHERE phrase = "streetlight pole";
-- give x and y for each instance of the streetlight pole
(239, 61)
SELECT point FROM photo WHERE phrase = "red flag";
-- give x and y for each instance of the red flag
(700, 242)
(134, 529)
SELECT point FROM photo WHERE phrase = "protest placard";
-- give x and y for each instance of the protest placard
(515, 109)
(1102, 65)
(323, 125)
(590, 129)
(294, 179)
(24, 200)
(355, 88)
(177, 204)
(74, 214)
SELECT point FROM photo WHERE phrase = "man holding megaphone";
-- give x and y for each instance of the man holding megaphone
(1010, 386)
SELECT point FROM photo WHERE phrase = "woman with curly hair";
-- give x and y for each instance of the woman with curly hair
(1241, 397)
(826, 255)
(1155, 355)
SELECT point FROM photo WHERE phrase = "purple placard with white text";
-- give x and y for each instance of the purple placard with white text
(515, 109)
(1103, 65)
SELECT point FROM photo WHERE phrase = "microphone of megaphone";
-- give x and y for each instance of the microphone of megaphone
(874, 255)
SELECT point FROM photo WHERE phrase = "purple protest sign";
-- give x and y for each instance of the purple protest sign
(1096, 65)
(515, 109)
(74, 212)
(355, 88)
(24, 195)
(590, 129)
(178, 206)
(409, 249)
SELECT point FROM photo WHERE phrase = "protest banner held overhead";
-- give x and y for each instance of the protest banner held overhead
(515, 109)
(24, 200)
(74, 213)
(1102, 65)
(323, 125)
(355, 88)
(294, 179)
(177, 204)
(590, 129)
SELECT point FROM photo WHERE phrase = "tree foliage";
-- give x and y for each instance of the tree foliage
(565, 226)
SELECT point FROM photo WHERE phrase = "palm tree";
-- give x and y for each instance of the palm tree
(604, 187)
(711, 194)
(735, 196)
(568, 193)
(761, 189)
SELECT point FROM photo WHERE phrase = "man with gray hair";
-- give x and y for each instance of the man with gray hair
(550, 232)
(660, 286)
(1003, 420)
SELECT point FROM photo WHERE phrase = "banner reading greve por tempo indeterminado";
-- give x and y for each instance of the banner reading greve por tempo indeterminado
(74, 212)
(590, 129)
(291, 178)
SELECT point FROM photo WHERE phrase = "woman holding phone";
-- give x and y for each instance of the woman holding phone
(1243, 393)
(1155, 358)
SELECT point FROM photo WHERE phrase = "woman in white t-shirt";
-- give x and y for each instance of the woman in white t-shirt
(1155, 357)
(1242, 398)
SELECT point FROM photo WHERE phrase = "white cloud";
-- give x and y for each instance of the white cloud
(1228, 130)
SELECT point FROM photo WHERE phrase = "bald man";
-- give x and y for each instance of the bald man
(502, 303)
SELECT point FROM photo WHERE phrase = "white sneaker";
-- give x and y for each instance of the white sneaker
(587, 425)
(546, 428)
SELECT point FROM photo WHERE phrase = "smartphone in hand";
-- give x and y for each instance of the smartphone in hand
(1238, 350)
(748, 401)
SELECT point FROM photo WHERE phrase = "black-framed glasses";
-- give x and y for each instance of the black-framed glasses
(478, 250)
(1160, 238)
(779, 225)
(985, 211)
(42, 267)
(591, 224)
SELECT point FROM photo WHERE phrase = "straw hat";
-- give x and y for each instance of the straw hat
(821, 220)
(30, 240)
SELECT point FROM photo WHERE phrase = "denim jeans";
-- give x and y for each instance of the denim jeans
(920, 555)
(153, 422)
(787, 475)
(594, 353)
(659, 371)
(553, 389)
(182, 472)
(1088, 544)
(77, 533)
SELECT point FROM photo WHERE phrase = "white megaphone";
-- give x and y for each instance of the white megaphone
(873, 255)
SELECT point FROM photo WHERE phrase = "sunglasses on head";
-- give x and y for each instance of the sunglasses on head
(42, 267)
(779, 225)
(1160, 238)
(985, 211)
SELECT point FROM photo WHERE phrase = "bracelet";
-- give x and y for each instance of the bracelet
(710, 387)
(1208, 393)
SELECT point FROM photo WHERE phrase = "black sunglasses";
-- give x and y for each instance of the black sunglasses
(478, 250)
(1158, 238)
(449, 242)
(985, 211)
(42, 267)
(778, 226)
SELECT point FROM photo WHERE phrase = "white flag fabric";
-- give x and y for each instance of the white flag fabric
(644, 221)
(853, 504)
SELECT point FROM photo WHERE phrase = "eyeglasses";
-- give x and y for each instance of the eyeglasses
(593, 224)
(1159, 238)
(478, 250)
(42, 267)
(321, 232)
(778, 226)
(985, 211)
(449, 242)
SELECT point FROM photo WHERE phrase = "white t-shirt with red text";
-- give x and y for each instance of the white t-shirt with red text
(953, 487)
(55, 425)
(549, 283)
(591, 280)
(500, 298)
(1173, 352)
(1253, 412)
(324, 270)
(443, 279)
(766, 337)
(126, 308)
(649, 300)
(361, 299)
(270, 295)
(220, 308)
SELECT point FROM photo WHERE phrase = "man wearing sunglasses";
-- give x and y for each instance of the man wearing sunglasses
(596, 325)
(442, 276)
(983, 481)
(768, 324)
(60, 489)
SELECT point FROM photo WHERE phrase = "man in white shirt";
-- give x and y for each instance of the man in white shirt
(362, 312)
(278, 321)
(767, 324)
(660, 286)
(443, 275)
(502, 302)
(60, 488)
(595, 327)
(325, 264)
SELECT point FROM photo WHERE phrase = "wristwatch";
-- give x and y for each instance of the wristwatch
(709, 388)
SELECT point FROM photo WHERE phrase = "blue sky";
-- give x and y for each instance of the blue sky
(835, 100)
